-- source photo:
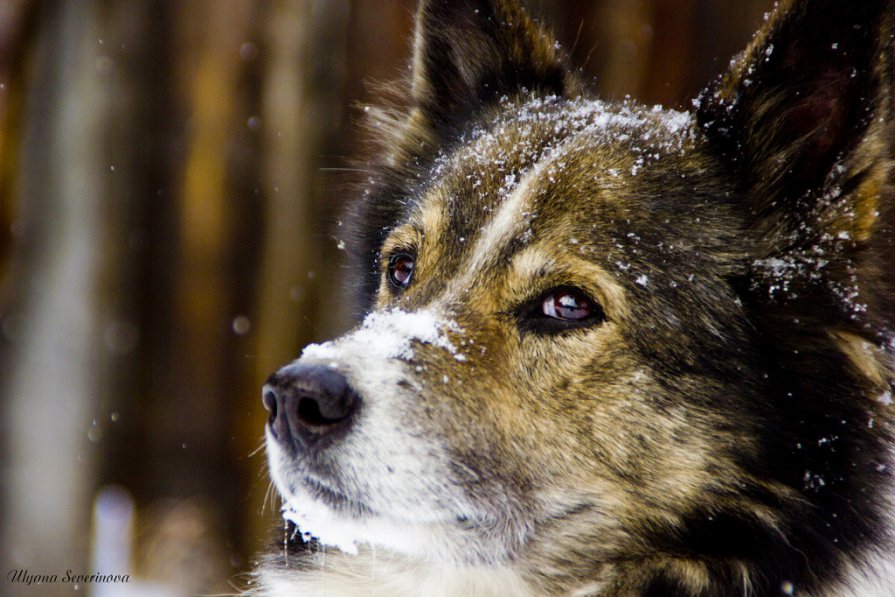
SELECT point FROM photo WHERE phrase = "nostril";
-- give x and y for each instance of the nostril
(309, 413)
(273, 400)
(269, 399)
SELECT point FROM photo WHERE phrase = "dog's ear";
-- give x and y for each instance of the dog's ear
(804, 116)
(805, 121)
(469, 53)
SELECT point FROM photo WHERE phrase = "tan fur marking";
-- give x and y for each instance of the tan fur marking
(503, 227)
(867, 204)
(431, 216)
(864, 356)
(404, 238)
(531, 263)
(421, 236)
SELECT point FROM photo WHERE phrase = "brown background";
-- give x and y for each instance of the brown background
(171, 177)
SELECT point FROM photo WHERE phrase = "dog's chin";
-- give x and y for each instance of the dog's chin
(338, 520)
(349, 530)
(335, 514)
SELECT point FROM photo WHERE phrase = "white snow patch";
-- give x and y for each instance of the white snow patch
(347, 534)
(779, 273)
(315, 520)
(391, 334)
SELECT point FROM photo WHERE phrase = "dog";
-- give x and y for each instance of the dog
(608, 349)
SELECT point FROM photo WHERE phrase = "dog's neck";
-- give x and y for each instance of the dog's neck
(374, 573)
(381, 574)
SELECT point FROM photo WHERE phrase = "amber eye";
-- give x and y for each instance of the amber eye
(559, 310)
(400, 270)
(568, 305)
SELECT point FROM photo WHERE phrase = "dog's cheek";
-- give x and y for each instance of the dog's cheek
(511, 431)
(579, 377)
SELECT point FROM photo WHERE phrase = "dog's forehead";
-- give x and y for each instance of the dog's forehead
(537, 153)
(535, 171)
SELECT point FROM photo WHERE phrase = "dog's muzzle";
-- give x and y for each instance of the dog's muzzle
(310, 406)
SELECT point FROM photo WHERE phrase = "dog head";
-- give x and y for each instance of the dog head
(610, 343)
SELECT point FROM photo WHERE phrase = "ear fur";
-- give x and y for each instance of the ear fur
(805, 119)
(808, 107)
(469, 53)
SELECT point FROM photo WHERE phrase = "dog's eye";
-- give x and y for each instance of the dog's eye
(559, 310)
(567, 305)
(400, 270)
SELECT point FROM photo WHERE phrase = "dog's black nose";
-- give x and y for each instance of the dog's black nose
(311, 404)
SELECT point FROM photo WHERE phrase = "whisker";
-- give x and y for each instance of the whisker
(258, 449)
(268, 497)
(361, 170)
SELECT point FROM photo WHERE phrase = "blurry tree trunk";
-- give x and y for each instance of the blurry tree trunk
(193, 297)
(53, 381)
(301, 91)
(673, 54)
(16, 25)
(625, 26)
(656, 51)
(195, 312)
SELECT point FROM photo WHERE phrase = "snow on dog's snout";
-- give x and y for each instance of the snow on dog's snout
(390, 334)
(374, 466)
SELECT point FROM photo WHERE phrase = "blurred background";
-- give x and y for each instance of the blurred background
(171, 179)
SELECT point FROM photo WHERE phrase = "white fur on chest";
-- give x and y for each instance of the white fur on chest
(366, 575)
(877, 581)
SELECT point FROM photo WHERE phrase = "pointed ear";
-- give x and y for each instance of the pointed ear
(469, 53)
(804, 115)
